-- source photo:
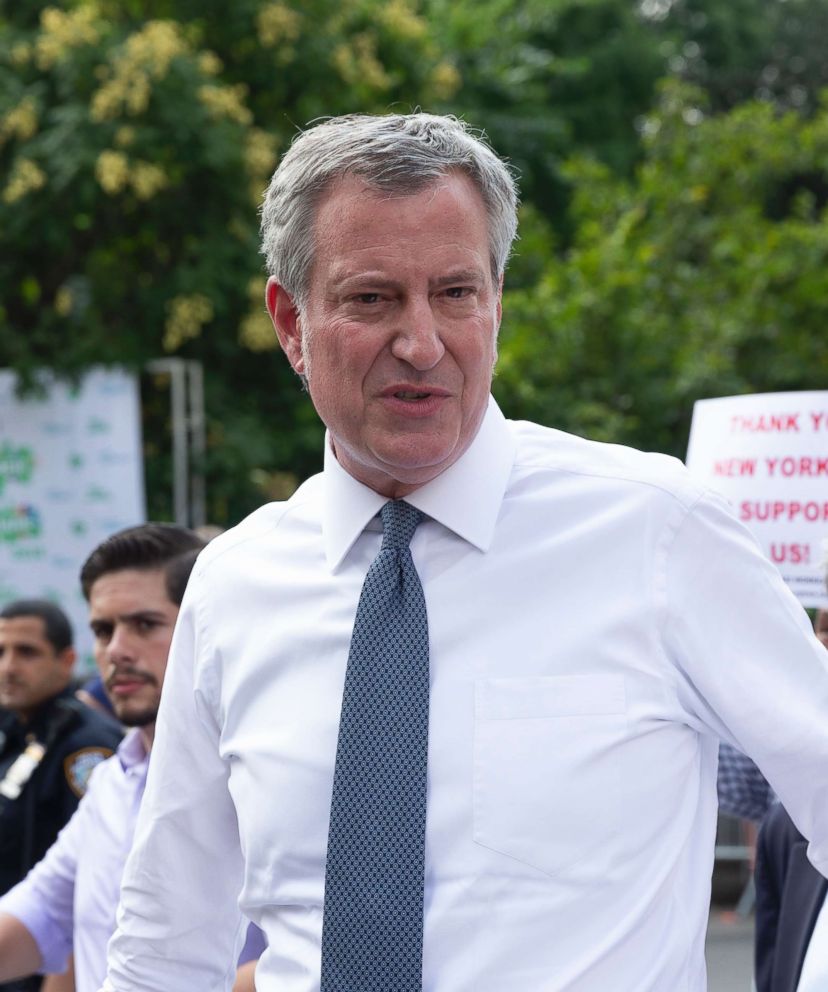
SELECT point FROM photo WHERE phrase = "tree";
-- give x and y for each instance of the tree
(705, 275)
(135, 141)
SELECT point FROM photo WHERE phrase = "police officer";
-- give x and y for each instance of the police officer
(49, 742)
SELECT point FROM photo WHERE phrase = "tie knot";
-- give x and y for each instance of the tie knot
(399, 521)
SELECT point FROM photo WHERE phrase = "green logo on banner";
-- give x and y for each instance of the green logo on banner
(19, 523)
(16, 464)
(97, 425)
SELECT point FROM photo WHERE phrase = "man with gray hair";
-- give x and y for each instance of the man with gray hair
(396, 733)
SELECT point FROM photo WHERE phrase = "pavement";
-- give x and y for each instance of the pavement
(729, 952)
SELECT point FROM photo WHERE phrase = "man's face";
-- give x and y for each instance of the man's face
(821, 626)
(31, 671)
(132, 621)
(398, 337)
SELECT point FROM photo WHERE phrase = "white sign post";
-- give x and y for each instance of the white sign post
(71, 473)
(768, 454)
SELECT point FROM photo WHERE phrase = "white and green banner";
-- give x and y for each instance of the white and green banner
(71, 474)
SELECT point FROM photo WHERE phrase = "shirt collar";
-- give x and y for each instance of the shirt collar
(132, 751)
(465, 498)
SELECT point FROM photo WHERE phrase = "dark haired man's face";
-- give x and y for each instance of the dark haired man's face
(31, 671)
(132, 620)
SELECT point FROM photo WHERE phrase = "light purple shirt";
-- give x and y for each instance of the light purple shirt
(71, 896)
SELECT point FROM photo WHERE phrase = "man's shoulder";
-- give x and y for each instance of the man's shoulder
(263, 526)
(90, 740)
(545, 449)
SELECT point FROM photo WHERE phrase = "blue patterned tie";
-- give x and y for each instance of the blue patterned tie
(372, 931)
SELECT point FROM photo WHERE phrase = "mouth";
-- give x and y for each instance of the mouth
(126, 685)
(410, 395)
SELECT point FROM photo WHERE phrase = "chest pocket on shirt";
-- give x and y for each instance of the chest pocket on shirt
(547, 787)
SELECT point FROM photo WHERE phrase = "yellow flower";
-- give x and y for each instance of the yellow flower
(145, 56)
(26, 177)
(20, 122)
(112, 171)
(226, 101)
(147, 179)
(357, 63)
(186, 315)
(60, 32)
(277, 23)
(444, 81)
(260, 153)
(21, 54)
(125, 136)
(256, 332)
(210, 64)
(402, 21)
(64, 301)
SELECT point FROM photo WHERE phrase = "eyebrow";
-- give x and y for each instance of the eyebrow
(381, 281)
(127, 617)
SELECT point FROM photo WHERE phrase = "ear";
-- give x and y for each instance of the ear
(286, 320)
(66, 660)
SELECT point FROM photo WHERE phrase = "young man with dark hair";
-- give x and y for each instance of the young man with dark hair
(49, 742)
(133, 582)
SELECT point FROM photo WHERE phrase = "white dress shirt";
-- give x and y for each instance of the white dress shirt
(596, 624)
(69, 899)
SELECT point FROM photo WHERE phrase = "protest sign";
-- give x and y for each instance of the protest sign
(71, 473)
(768, 454)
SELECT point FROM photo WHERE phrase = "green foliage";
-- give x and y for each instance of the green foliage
(773, 50)
(706, 275)
(666, 254)
(136, 139)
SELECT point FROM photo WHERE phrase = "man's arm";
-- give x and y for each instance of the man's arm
(245, 978)
(64, 982)
(749, 668)
(179, 926)
(19, 954)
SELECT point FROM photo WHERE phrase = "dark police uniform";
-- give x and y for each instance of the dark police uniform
(44, 769)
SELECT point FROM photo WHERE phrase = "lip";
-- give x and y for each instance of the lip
(125, 687)
(415, 400)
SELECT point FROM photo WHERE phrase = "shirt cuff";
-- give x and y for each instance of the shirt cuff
(54, 944)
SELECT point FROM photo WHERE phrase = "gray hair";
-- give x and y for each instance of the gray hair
(400, 154)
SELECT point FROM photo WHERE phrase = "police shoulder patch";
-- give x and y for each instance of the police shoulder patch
(79, 765)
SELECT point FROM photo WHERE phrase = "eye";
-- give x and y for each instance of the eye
(367, 298)
(459, 292)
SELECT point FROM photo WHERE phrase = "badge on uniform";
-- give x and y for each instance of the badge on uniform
(79, 765)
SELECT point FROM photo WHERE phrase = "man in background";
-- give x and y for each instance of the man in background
(49, 742)
(133, 583)
(791, 953)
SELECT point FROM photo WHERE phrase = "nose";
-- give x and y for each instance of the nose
(119, 647)
(8, 661)
(417, 340)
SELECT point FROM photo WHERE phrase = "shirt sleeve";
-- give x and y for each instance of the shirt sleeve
(179, 925)
(44, 900)
(749, 666)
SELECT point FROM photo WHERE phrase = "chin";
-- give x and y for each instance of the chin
(137, 718)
